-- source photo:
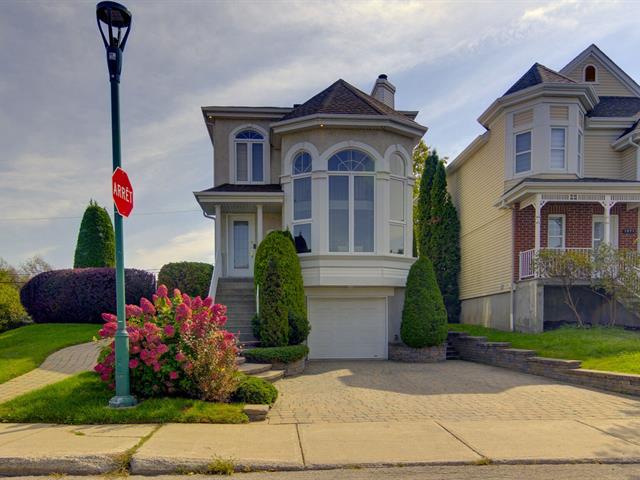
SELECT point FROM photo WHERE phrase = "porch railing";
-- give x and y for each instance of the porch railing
(527, 260)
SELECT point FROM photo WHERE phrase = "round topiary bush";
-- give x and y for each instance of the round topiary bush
(96, 245)
(424, 317)
(192, 278)
(255, 390)
(81, 295)
(279, 245)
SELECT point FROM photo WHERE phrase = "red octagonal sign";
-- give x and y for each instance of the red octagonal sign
(122, 192)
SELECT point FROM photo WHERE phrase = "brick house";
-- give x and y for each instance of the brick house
(557, 168)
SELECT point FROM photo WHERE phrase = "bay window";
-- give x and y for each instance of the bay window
(523, 152)
(558, 148)
(249, 154)
(351, 202)
(301, 173)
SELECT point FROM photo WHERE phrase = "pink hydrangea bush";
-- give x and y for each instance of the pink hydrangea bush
(177, 345)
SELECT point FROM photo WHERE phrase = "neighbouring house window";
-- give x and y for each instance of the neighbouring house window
(249, 150)
(558, 148)
(351, 202)
(301, 172)
(523, 152)
(397, 220)
(556, 231)
(590, 73)
(579, 153)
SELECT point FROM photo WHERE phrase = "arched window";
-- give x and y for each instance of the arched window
(397, 193)
(351, 202)
(249, 151)
(301, 171)
(590, 73)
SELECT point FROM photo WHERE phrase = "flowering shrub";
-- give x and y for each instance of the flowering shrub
(177, 345)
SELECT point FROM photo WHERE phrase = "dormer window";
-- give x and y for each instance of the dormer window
(249, 150)
(590, 73)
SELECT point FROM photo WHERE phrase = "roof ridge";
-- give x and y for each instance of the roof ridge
(367, 98)
(555, 72)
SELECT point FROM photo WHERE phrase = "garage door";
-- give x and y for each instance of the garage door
(347, 328)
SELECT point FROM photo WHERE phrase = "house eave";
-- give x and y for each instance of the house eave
(468, 152)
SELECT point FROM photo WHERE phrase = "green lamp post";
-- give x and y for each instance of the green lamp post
(117, 20)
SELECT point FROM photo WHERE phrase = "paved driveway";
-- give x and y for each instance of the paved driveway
(373, 391)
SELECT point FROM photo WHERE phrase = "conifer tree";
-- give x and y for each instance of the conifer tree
(96, 245)
(422, 212)
(443, 244)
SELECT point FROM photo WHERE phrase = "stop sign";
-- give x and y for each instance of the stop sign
(122, 192)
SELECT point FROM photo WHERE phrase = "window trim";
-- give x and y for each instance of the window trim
(266, 164)
(564, 229)
(299, 176)
(351, 174)
(584, 73)
(564, 149)
(580, 153)
(600, 219)
(393, 222)
(515, 152)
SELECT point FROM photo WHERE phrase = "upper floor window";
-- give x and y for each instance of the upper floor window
(301, 170)
(397, 189)
(351, 202)
(558, 148)
(590, 73)
(523, 152)
(249, 150)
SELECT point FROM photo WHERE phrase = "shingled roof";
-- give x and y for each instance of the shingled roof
(537, 74)
(342, 98)
(616, 107)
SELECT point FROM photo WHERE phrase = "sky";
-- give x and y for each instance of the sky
(449, 60)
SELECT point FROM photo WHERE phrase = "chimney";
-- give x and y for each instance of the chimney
(384, 91)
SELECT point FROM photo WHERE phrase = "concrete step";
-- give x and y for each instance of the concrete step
(240, 360)
(254, 369)
(271, 375)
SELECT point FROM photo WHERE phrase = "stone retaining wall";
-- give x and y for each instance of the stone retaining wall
(401, 353)
(291, 369)
(500, 354)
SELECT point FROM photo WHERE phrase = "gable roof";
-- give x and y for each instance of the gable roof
(614, 69)
(537, 74)
(616, 107)
(342, 98)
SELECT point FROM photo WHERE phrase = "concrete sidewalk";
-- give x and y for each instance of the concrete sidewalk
(45, 449)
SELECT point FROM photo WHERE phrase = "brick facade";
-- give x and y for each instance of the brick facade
(578, 228)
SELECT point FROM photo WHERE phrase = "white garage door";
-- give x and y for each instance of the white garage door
(347, 328)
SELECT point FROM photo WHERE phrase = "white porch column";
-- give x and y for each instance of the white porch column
(259, 229)
(537, 205)
(218, 238)
(607, 204)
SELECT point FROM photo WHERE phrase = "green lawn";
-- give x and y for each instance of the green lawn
(599, 348)
(25, 348)
(82, 399)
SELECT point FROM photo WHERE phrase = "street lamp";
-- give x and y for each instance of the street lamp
(117, 20)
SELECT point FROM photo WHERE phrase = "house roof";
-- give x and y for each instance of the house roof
(537, 74)
(246, 188)
(342, 98)
(616, 107)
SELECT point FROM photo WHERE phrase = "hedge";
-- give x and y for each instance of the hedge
(279, 245)
(424, 317)
(81, 295)
(96, 246)
(288, 354)
(273, 323)
(192, 278)
(255, 390)
(12, 314)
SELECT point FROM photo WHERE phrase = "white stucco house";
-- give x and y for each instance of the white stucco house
(336, 172)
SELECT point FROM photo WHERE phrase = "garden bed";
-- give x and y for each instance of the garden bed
(599, 348)
(25, 348)
(83, 399)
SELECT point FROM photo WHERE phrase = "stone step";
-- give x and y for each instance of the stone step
(271, 375)
(254, 369)
(240, 360)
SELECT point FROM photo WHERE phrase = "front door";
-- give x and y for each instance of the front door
(598, 230)
(242, 245)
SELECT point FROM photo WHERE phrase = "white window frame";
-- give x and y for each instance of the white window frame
(564, 149)
(234, 152)
(564, 229)
(352, 174)
(392, 222)
(516, 153)
(584, 73)
(615, 237)
(294, 177)
(580, 153)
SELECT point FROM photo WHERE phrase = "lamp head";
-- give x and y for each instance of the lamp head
(117, 20)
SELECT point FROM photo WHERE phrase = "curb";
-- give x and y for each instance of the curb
(70, 465)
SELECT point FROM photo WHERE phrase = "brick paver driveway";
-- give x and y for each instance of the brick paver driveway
(370, 391)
